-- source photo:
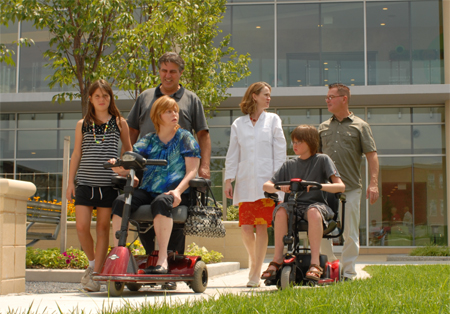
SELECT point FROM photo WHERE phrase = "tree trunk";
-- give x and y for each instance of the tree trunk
(84, 101)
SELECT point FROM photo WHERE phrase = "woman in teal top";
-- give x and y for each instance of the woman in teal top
(164, 187)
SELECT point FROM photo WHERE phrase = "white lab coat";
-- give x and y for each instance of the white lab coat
(254, 154)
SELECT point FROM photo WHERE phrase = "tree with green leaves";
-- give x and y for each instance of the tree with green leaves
(6, 55)
(189, 27)
(122, 41)
(81, 33)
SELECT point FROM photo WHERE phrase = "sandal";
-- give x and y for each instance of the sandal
(272, 272)
(314, 272)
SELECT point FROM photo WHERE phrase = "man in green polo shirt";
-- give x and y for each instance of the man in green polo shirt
(345, 138)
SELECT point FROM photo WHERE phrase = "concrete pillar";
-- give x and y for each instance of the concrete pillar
(446, 35)
(13, 218)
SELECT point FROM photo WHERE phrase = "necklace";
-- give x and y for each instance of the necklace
(104, 133)
(254, 120)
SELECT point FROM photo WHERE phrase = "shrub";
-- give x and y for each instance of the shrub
(207, 257)
(76, 259)
(52, 258)
(431, 250)
(232, 213)
(136, 248)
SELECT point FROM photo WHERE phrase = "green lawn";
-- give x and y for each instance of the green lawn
(392, 289)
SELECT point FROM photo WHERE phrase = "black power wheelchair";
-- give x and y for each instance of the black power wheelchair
(297, 260)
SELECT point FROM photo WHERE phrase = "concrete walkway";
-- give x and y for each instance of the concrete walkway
(218, 285)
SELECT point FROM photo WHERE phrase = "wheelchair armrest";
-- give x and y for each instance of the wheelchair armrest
(199, 183)
(119, 182)
(273, 196)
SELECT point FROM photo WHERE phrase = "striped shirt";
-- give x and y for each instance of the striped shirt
(95, 151)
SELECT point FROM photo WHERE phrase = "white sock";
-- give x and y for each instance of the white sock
(92, 264)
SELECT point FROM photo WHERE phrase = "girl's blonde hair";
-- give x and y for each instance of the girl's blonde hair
(248, 104)
(160, 106)
(90, 117)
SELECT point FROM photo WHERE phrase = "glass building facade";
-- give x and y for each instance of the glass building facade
(390, 53)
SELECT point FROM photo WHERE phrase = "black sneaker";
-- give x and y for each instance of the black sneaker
(169, 286)
(347, 279)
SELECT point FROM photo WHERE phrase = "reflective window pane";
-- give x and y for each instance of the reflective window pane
(252, 29)
(428, 139)
(287, 135)
(359, 112)
(299, 116)
(298, 64)
(396, 198)
(388, 43)
(428, 115)
(334, 51)
(238, 1)
(38, 120)
(8, 72)
(37, 144)
(429, 212)
(32, 63)
(6, 144)
(342, 43)
(389, 115)
(236, 114)
(221, 117)
(68, 120)
(220, 138)
(7, 121)
(45, 174)
(426, 39)
(27, 167)
(7, 169)
(392, 139)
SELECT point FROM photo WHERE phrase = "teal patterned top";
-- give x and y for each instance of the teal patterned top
(160, 179)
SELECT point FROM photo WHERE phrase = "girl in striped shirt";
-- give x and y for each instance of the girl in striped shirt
(96, 141)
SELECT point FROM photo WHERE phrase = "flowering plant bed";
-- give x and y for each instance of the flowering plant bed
(76, 259)
(53, 258)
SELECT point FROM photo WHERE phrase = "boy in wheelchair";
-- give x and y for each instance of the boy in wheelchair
(311, 205)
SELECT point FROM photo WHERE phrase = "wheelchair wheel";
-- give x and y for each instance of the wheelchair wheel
(200, 277)
(285, 277)
(115, 288)
(133, 286)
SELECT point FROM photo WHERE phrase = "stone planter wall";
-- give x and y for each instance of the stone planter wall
(13, 216)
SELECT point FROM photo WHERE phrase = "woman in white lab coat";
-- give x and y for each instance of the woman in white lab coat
(257, 149)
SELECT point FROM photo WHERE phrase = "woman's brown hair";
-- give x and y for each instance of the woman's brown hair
(248, 104)
(308, 134)
(160, 106)
(112, 109)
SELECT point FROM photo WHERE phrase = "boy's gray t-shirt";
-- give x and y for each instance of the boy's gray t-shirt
(318, 168)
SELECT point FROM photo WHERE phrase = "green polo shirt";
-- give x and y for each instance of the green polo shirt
(345, 142)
